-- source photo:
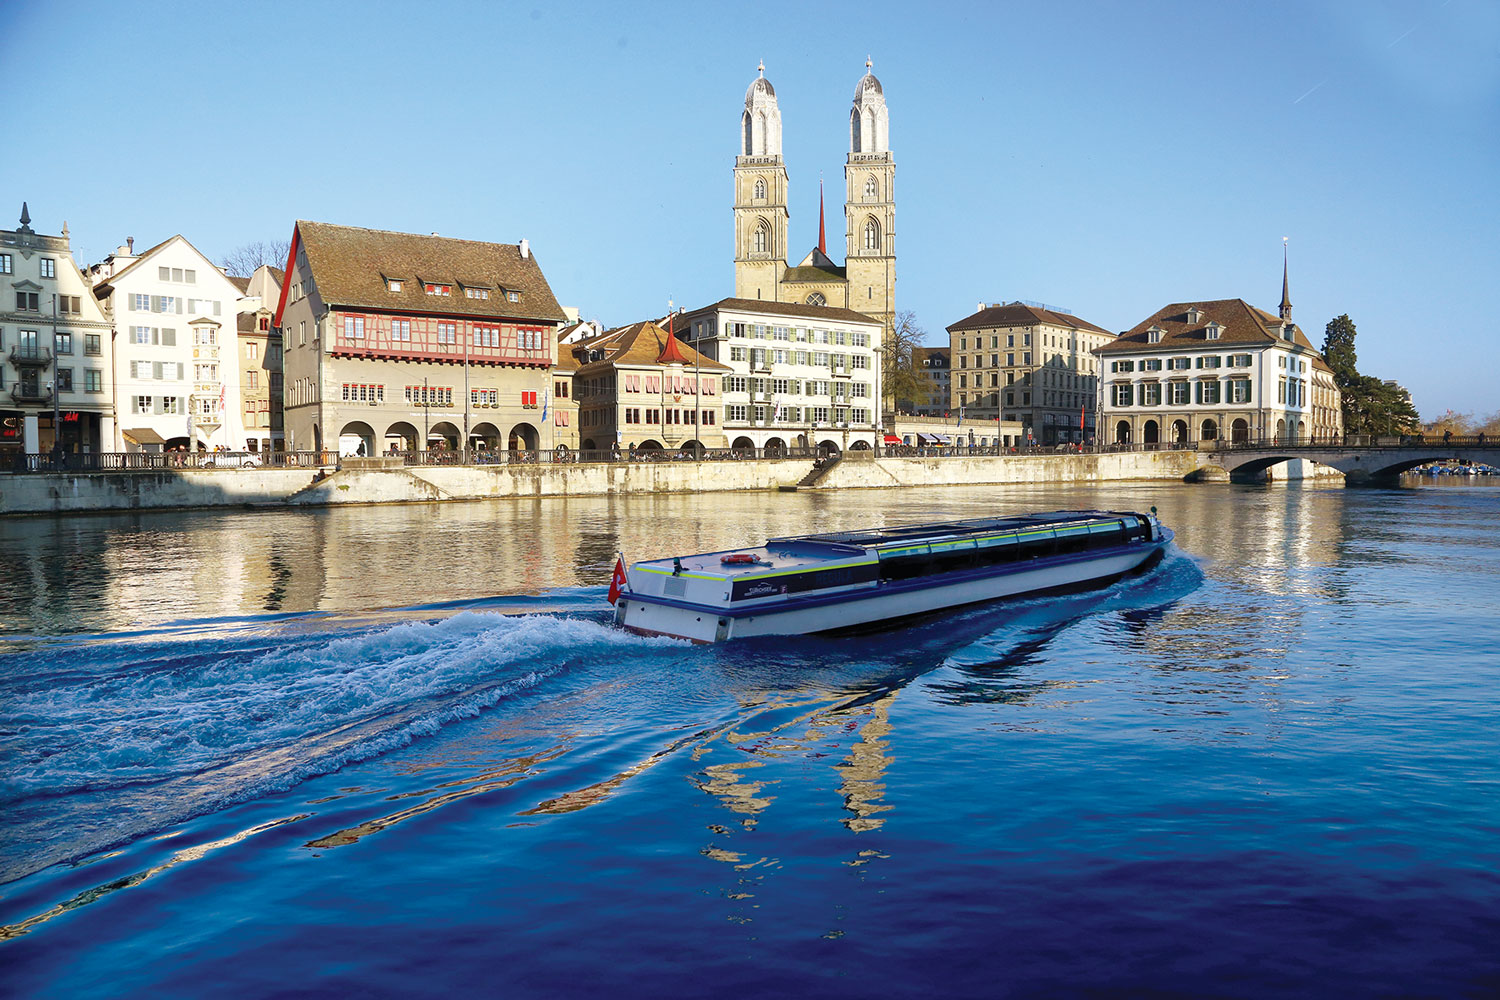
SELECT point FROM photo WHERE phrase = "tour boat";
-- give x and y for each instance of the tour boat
(851, 580)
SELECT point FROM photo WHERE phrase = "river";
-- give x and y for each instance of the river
(394, 751)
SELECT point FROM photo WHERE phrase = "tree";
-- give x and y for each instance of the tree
(899, 379)
(243, 261)
(1371, 405)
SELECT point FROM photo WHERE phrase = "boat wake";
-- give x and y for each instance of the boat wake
(127, 738)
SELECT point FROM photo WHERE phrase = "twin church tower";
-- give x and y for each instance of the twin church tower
(866, 282)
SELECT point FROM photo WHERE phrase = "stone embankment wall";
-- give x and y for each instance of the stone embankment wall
(61, 493)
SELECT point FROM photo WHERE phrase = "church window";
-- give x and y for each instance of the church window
(872, 235)
(871, 188)
(762, 237)
(760, 188)
(816, 299)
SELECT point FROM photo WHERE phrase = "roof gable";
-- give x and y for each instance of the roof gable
(1185, 325)
(1021, 314)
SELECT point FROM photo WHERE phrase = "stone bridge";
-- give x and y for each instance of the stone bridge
(1378, 459)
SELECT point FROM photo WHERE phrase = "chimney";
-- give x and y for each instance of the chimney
(525, 249)
(130, 244)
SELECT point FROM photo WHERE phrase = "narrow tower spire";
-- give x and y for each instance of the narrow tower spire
(1286, 298)
(822, 232)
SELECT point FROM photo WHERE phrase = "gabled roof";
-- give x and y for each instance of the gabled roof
(114, 279)
(641, 344)
(1020, 314)
(921, 354)
(1239, 323)
(350, 267)
(802, 310)
(243, 284)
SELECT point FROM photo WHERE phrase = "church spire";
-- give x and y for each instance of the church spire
(822, 232)
(1286, 298)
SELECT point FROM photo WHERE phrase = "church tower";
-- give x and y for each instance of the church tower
(870, 204)
(760, 197)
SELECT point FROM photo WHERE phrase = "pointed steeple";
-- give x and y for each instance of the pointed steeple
(822, 232)
(671, 351)
(1286, 297)
(25, 215)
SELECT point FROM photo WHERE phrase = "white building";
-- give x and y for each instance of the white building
(801, 375)
(174, 316)
(55, 385)
(1201, 371)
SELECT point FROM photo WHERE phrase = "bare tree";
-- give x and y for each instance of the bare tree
(902, 384)
(243, 261)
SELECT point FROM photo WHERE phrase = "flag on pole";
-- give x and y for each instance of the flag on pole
(618, 582)
(546, 398)
(960, 416)
(1080, 417)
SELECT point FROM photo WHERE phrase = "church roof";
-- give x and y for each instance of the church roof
(1020, 314)
(760, 85)
(1239, 323)
(867, 83)
(822, 270)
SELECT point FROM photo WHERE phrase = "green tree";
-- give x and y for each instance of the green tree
(1371, 405)
(900, 382)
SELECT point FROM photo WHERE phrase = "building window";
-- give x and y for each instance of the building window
(91, 345)
(27, 302)
(1178, 393)
(6, 264)
(394, 284)
(62, 343)
(477, 293)
(762, 237)
(816, 299)
(513, 296)
(872, 235)
(49, 267)
(447, 333)
(93, 380)
(871, 188)
(433, 289)
(354, 328)
(65, 380)
(760, 188)
(401, 329)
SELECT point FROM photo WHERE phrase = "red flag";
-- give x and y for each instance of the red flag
(1081, 410)
(617, 583)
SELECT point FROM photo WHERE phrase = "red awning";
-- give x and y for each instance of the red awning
(892, 439)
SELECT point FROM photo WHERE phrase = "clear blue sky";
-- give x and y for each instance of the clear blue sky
(1105, 157)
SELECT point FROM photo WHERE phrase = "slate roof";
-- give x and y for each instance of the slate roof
(639, 344)
(813, 272)
(921, 354)
(243, 284)
(1020, 314)
(1240, 323)
(800, 310)
(350, 267)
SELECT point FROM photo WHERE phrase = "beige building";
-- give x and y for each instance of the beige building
(395, 341)
(1028, 364)
(258, 345)
(639, 389)
(56, 383)
(1205, 370)
(866, 282)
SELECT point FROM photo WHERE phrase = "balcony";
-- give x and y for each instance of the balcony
(24, 356)
(24, 394)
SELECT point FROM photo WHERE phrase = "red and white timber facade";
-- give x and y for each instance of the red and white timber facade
(395, 341)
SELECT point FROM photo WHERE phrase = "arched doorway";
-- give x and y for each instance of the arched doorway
(401, 436)
(743, 444)
(589, 445)
(647, 447)
(1151, 433)
(442, 436)
(775, 448)
(1239, 431)
(1210, 431)
(1179, 431)
(1281, 431)
(484, 437)
(860, 446)
(523, 437)
(829, 448)
(1122, 432)
(1301, 430)
(356, 439)
(693, 448)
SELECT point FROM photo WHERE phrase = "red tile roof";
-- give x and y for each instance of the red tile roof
(1020, 314)
(1239, 323)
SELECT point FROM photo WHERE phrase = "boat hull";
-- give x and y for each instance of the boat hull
(885, 604)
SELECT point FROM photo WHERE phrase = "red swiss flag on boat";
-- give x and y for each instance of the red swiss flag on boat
(617, 582)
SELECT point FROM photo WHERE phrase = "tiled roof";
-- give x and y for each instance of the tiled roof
(639, 344)
(812, 272)
(1020, 314)
(920, 354)
(1239, 322)
(798, 309)
(245, 323)
(243, 284)
(350, 267)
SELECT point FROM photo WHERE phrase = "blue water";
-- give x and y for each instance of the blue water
(400, 751)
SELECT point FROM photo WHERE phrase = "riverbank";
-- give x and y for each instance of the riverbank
(162, 489)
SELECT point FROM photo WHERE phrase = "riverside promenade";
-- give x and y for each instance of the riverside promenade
(378, 481)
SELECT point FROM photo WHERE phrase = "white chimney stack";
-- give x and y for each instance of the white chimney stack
(525, 249)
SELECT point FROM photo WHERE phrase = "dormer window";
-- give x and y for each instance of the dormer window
(477, 293)
(1194, 315)
(1212, 331)
(394, 284)
(1286, 331)
(436, 289)
(1153, 335)
(513, 296)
